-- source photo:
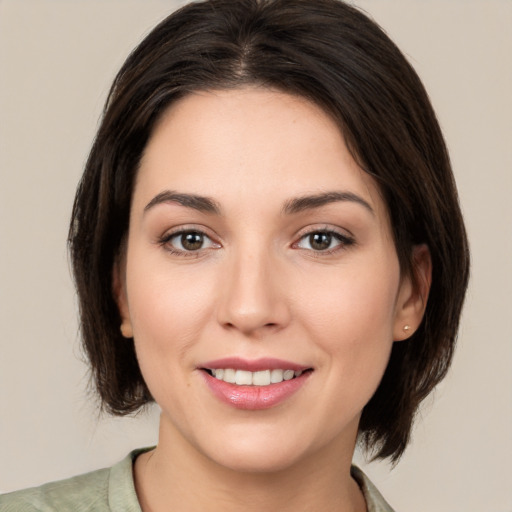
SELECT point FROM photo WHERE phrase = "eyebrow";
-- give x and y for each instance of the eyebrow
(303, 203)
(200, 203)
(295, 205)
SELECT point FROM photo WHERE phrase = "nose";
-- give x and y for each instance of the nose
(253, 296)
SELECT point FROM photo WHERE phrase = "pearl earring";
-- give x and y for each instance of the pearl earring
(126, 330)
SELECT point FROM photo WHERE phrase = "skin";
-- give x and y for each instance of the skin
(258, 288)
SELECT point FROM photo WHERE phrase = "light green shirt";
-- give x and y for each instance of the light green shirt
(113, 490)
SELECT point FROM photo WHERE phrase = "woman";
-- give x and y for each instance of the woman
(267, 242)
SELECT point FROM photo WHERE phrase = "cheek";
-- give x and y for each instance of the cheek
(356, 301)
(168, 311)
(351, 315)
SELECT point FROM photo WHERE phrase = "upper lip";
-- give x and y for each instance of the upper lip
(254, 365)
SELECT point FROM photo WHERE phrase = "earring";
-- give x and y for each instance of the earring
(407, 328)
(126, 330)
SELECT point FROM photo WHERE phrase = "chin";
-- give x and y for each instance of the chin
(251, 457)
(265, 448)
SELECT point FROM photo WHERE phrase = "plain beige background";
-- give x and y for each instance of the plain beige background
(57, 59)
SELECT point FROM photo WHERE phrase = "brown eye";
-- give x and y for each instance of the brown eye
(192, 241)
(320, 241)
(184, 242)
(324, 241)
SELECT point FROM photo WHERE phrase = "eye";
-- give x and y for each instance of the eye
(188, 241)
(324, 241)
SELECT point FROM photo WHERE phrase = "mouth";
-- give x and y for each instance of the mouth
(254, 384)
(257, 378)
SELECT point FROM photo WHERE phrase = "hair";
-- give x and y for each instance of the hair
(335, 56)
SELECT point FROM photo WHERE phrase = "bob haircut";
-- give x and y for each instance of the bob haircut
(333, 55)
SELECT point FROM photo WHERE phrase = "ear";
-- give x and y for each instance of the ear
(120, 296)
(413, 294)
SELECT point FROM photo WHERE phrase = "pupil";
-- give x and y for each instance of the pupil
(320, 241)
(192, 241)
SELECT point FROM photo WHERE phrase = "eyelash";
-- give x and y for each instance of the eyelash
(344, 242)
(166, 239)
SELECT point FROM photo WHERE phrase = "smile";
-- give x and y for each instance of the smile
(254, 384)
(258, 378)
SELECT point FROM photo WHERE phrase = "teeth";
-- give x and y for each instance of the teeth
(243, 378)
(260, 378)
(229, 376)
(276, 376)
(288, 374)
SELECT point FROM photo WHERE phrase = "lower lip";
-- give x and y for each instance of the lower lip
(254, 397)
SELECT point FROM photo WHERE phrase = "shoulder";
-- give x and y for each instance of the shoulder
(90, 490)
(374, 499)
(106, 490)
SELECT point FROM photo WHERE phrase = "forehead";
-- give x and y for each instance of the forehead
(250, 144)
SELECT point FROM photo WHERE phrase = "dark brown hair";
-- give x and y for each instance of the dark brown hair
(332, 54)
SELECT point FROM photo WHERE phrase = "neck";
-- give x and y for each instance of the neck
(176, 476)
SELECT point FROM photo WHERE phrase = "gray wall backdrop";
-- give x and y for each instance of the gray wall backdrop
(57, 59)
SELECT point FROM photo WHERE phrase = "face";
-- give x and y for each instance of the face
(260, 281)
